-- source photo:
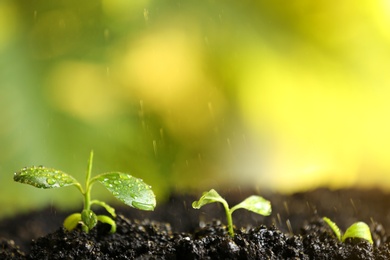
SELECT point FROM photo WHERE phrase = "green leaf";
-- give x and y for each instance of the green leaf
(255, 204)
(208, 197)
(128, 189)
(109, 209)
(89, 219)
(108, 220)
(42, 177)
(358, 230)
(72, 221)
(334, 227)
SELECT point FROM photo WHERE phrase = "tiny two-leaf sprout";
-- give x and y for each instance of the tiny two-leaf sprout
(128, 189)
(253, 203)
(356, 230)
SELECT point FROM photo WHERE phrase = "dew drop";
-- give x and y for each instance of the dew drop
(50, 181)
(123, 176)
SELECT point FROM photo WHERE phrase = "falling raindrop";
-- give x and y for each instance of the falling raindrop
(146, 15)
(230, 147)
(141, 114)
(353, 205)
(286, 207)
(289, 227)
(107, 34)
(155, 147)
(200, 158)
(244, 139)
(61, 23)
(206, 40)
(211, 110)
(279, 219)
(162, 136)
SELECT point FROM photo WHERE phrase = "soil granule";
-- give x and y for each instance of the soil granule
(295, 230)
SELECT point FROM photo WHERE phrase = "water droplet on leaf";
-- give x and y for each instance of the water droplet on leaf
(50, 181)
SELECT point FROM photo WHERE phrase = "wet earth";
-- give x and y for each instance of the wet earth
(295, 230)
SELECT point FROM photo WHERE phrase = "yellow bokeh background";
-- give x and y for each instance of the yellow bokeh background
(195, 95)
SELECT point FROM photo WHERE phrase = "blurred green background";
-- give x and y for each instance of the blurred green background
(193, 95)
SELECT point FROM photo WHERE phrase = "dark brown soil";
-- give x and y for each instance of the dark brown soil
(295, 230)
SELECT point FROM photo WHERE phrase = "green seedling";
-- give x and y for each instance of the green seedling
(128, 189)
(253, 203)
(356, 230)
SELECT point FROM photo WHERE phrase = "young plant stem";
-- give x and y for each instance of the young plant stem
(87, 192)
(229, 219)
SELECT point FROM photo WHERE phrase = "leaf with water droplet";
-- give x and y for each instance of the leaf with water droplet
(128, 189)
(45, 178)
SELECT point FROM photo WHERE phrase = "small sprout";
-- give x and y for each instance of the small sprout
(128, 189)
(253, 203)
(356, 230)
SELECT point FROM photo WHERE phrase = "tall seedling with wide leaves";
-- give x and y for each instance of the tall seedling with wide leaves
(130, 190)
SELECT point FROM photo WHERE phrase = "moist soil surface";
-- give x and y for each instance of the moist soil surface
(294, 230)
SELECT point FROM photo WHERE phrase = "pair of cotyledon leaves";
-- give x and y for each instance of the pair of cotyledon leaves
(357, 230)
(253, 203)
(128, 189)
